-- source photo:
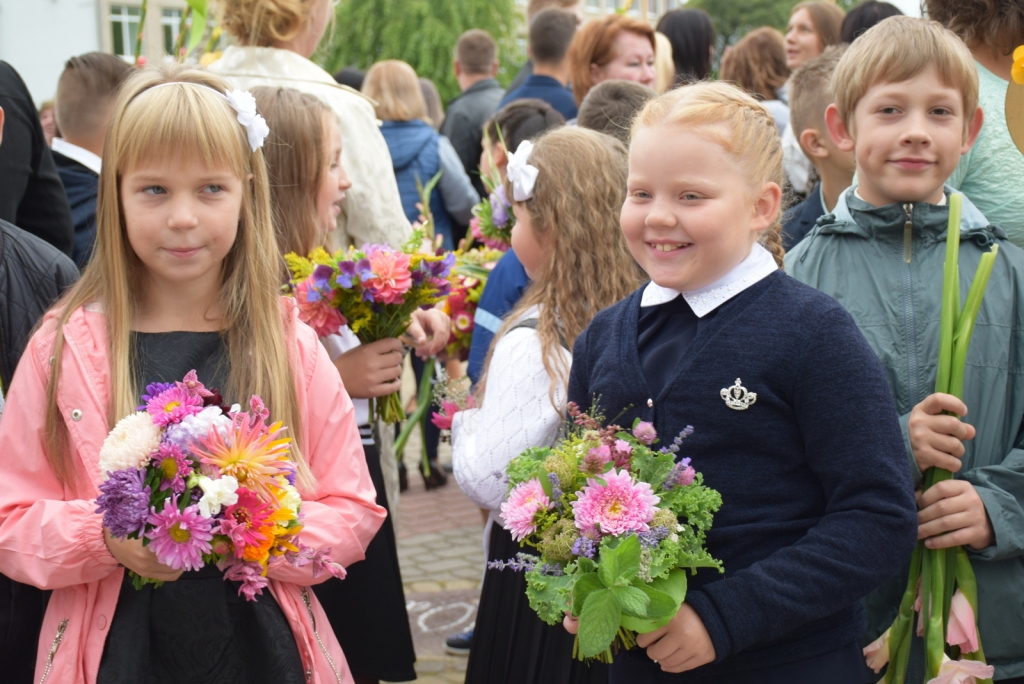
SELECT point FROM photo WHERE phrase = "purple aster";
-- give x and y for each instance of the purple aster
(124, 502)
(153, 389)
(174, 467)
(179, 538)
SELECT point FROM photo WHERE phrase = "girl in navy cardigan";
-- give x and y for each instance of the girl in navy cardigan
(795, 425)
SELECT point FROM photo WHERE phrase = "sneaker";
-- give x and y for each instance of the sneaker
(458, 644)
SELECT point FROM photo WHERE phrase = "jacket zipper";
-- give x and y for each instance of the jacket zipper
(909, 325)
(323, 649)
(53, 649)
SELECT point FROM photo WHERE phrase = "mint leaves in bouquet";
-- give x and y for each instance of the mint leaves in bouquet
(199, 484)
(615, 523)
(374, 290)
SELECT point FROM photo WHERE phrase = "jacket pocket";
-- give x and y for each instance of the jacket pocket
(59, 637)
(316, 635)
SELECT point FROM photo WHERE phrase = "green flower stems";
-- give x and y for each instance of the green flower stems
(939, 572)
(422, 406)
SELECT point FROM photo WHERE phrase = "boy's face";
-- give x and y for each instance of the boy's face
(907, 138)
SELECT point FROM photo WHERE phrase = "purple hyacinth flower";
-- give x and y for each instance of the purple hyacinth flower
(124, 502)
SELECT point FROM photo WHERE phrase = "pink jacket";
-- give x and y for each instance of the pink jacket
(53, 541)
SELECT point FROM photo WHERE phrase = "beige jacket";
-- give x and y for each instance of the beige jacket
(373, 211)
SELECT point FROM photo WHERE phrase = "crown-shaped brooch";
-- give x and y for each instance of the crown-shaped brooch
(737, 397)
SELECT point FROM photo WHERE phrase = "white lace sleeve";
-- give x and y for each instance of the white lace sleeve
(516, 414)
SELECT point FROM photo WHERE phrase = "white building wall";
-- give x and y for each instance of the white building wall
(38, 36)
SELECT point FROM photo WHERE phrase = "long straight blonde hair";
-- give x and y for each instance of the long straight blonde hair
(187, 121)
(574, 211)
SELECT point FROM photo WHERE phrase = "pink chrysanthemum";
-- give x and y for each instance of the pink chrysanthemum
(174, 467)
(317, 314)
(391, 276)
(524, 502)
(645, 432)
(242, 521)
(171, 405)
(619, 507)
(179, 538)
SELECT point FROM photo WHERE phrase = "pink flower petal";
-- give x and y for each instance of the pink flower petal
(962, 630)
(962, 672)
(877, 652)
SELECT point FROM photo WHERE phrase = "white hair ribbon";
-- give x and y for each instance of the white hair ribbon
(522, 176)
(244, 104)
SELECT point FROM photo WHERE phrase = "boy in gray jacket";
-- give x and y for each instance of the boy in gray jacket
(906, 104)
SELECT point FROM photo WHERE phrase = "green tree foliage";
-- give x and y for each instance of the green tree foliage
(735, 18)
(422, 33)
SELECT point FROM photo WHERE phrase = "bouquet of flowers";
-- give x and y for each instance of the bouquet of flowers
(468, 279)
(492, 219)
(615, 522)
(374, 290)
(452, 395)
(941, 588)
(201, 484)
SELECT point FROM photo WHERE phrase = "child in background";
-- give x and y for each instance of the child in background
(575, 255)
(185, 276)
(85, 97)
(516, 122)
(817, 511)
(610, 106)
(758, 65)
(906, 105)
(307, 185)
(810, 93)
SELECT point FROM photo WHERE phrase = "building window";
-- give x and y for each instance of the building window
(124, 21)
(169, 22)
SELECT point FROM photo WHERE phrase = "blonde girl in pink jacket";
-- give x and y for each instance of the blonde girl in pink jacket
(185, 255)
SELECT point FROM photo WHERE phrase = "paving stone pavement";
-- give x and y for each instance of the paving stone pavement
(440, 551)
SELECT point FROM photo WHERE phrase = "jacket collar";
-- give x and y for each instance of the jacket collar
(486, 84)
(89, 160)
(275, 63)
(854, 216)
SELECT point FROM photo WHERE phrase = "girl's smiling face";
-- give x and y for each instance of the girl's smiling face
(333, 182)
(690, 214)
(181, 218)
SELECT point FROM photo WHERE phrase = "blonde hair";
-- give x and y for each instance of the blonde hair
(724, 114)
(296, 154)
(186, 121)
(594, 43)
(265, 22)
(810, 91)
(758, 63)
(664, 66)
(588, 266)
(897, 49)
(395, 87)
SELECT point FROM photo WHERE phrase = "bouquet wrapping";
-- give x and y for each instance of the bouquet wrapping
(615, 522)
(200, 484)
(469, 276)
(374, 290)
(941, 589)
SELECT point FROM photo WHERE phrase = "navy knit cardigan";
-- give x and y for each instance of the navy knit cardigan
(818, 506)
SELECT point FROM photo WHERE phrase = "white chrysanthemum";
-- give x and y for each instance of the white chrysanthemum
(129, 444)
(192, 428)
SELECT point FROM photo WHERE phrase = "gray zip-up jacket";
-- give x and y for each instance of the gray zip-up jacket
(885, 265)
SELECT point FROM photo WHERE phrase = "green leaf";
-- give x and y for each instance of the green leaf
(584, 586)
(608, 566)
(619, 561)
(634, 601)
(199, 14)
(599, 622)
(548, 595)
(658, 602)
(661, 612)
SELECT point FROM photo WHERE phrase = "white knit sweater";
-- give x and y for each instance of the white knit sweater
(516, 414)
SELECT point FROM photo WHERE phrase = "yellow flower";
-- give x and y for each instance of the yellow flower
(253, 454)
(1017, 71)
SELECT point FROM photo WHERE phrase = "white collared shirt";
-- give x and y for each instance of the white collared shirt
(81, 155)
(758, 265)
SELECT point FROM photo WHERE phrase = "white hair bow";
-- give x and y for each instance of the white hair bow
(522, 176)
(244, 104)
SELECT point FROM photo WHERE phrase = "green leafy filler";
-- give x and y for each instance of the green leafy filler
(632, 584)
